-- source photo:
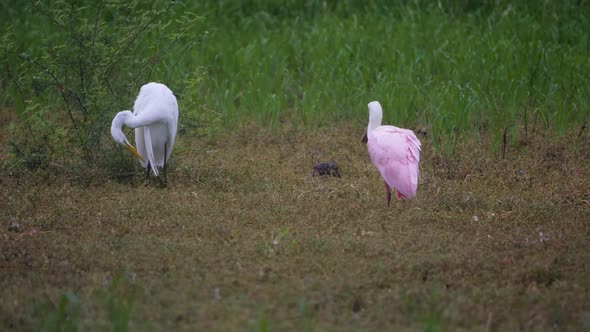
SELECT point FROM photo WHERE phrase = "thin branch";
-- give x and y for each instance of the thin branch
(504, 143)
(68, 108)
(61, 88)
(48, 16)
(138, 32)
(106, 80)
(22, 96)
(95, 29)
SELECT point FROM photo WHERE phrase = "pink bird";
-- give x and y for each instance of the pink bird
(395, 152)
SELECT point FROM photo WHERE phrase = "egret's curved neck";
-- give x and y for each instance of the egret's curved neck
(118, 121)
(130, 120)
(121, 119)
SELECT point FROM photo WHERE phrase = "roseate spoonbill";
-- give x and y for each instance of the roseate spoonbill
(155, 119)
(395, 152)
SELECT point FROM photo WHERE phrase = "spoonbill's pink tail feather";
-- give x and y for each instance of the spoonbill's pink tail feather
(399, 195)
(395, 152)
(413, 156)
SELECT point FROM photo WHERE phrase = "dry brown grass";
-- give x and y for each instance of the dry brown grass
(243, 238)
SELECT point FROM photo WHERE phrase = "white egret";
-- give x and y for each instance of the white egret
(155, 119)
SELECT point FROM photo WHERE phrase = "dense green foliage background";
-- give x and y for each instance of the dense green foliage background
(454, 66)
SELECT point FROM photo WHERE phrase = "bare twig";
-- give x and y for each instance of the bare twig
(504, 143)
(22, 96)
(489, 321)
(137, 33)
(48, 16)
(68, 108)
(95, 29)
(60, 87)
(535, 120)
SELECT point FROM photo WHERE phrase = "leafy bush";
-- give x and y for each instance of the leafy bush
(89, 63)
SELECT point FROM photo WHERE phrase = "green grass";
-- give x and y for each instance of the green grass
(244, 238)
(454, 66)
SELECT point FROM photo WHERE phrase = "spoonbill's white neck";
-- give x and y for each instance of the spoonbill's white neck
(375, 115)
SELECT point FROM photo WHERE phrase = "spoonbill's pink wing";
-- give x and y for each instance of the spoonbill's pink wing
(396, 153)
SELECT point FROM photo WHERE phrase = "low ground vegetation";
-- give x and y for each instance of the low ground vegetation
(244, 237)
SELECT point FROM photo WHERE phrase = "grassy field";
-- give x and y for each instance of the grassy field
(461, 67)
(244, 237)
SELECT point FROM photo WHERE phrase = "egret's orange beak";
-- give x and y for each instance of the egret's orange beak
(132, 149)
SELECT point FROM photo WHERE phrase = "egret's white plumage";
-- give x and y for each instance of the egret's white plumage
(395, 152)
(155, 119)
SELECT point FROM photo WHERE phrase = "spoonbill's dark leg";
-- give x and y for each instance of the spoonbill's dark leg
(165, 176)
(388, 194)
(147, 172)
